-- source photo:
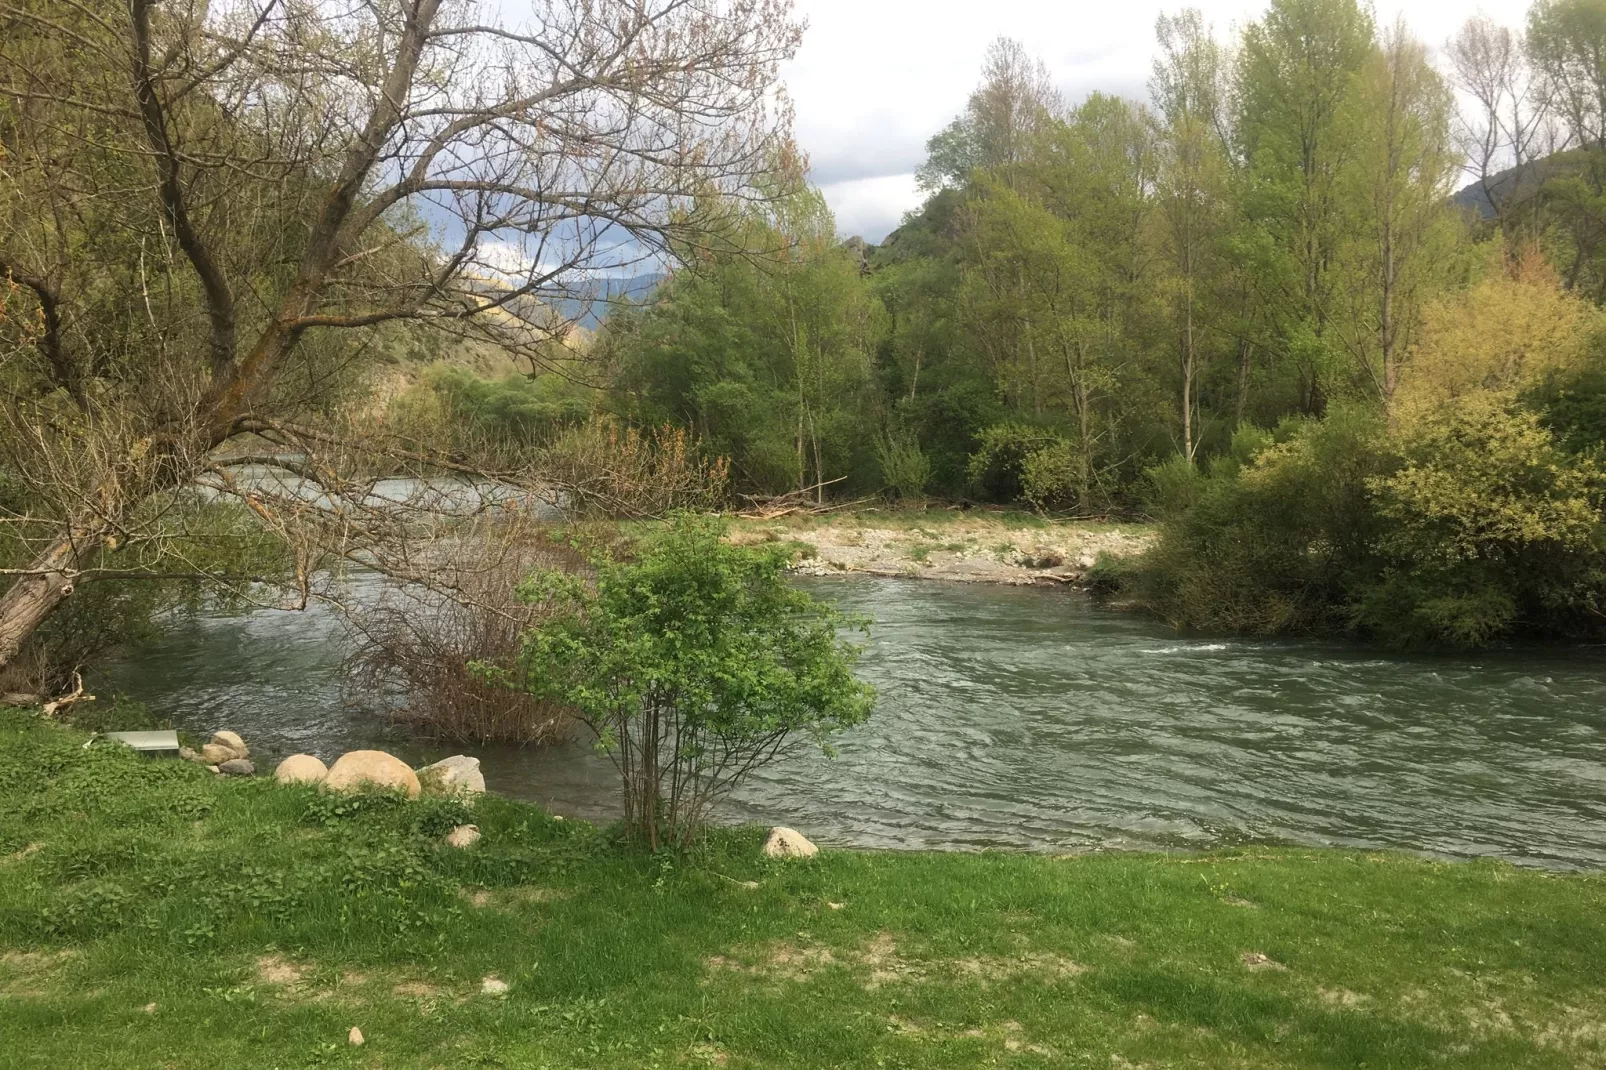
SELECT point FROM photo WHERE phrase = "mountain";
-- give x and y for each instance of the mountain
(599, 297)
(1515, 184)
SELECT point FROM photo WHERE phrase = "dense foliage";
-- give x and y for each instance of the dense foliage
(1251, 308)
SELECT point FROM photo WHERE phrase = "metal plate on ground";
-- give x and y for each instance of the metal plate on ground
(147, 742)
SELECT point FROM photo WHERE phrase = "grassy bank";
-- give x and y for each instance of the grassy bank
(151, 915)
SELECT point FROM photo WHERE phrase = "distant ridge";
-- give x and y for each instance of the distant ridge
(602, 295)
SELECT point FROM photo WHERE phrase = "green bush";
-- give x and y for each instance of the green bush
(1272, 540)
(905, 469)
(693, 662)
(1488, 523)
(1016, 461)
(1463, 524)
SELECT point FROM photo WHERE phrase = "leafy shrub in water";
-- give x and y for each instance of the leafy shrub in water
(1487, 522)
(692, 663)
(1270, 541)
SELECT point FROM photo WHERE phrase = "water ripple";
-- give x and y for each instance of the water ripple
(1034, 720)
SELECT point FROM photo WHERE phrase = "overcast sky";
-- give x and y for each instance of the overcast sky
(876, 78)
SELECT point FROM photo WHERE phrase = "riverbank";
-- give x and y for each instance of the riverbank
(974, 546)
(152, 915)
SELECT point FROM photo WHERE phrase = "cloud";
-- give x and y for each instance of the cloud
(870, 207)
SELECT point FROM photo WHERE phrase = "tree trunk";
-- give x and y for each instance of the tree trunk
(34, 596)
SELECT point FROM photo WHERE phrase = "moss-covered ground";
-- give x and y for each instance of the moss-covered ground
(154, 916)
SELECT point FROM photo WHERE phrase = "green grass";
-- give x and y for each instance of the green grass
(153, 916)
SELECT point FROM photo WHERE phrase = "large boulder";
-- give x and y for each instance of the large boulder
(232, 741)
(457, 775)
(301, 769)
(217, 754)
(373, 768)
(788, 843)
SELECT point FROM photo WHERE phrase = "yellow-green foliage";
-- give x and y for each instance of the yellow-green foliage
(1482, 477)
(1511, 330)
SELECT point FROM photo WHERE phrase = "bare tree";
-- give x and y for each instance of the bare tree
(213, 214)
(1504, 122)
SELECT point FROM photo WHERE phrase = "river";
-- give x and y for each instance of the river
(1034, 719)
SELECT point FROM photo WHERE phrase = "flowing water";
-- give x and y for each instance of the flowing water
(1034, 719)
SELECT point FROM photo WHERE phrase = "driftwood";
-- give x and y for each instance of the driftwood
(75, 695)
(805, 501)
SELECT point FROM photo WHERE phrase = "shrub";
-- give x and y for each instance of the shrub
(1016, 461)
(1487, 521)
(693, 663)
(420, 643)
(605, 468)
(905, 469)
(1048, 475)
(1272, 539)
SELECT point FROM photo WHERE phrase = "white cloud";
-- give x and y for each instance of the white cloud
(876, 78)
(870, 207)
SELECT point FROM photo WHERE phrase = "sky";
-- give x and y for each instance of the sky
(876, 78)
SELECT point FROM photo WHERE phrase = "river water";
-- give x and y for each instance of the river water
(1034, 719)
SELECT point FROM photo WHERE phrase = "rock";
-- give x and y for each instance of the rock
(1087, 561)
(458, 774)
(493, 986)
(214, 770)
(374, 768)
(190, 756)
(237, 767)
(354, 1038)
(217, 754)
(19, 698)
(788, 843)
(301, 769)
(231, 741)
(463, 836)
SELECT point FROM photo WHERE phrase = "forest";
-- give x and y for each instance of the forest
(1326, 306)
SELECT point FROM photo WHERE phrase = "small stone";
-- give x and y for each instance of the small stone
(493, 986)
(237, 767)
(373, 768)
(190, 756)
(836, 906)
(217, 754)
(232, 741)
(301, 769)
(18, 698)
(150, 1008)
(788, 843)
(354, 1038)
(463, 836)
(456, 775)
(214, 770)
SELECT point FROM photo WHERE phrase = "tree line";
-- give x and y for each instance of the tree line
(1093, 288)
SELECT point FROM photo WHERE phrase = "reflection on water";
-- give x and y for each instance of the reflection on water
(1032, 719)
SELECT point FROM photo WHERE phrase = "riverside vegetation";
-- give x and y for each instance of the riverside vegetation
(1357, 404)
(152, 914)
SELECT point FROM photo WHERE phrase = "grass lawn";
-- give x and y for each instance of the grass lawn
(153, 916)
